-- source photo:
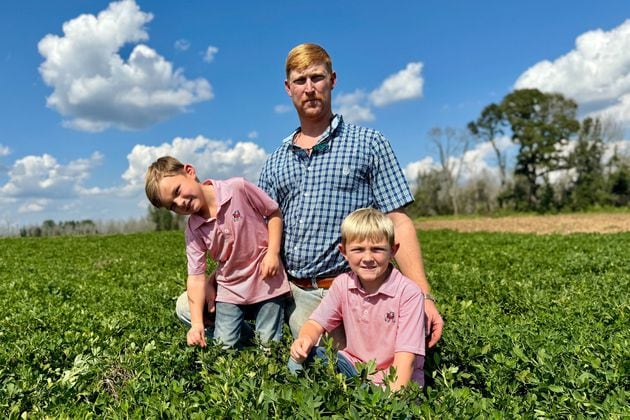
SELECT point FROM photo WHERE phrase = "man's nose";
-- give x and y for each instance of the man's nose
(310, 86)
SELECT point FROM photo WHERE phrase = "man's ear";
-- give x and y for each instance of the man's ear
(287, 87)
(333, 80)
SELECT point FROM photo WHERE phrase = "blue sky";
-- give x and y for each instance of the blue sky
(93, 91)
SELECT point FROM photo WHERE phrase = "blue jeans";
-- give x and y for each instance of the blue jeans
(343, 365)
(230, 318)
(182, 310)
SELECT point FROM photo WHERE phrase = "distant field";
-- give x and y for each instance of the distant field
(539, 224)
(536, 326)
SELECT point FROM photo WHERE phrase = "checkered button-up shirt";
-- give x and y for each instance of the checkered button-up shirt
(350, 167)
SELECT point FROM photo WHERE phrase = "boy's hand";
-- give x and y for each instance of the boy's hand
(300, 348)
(196, 335)
(269, 265)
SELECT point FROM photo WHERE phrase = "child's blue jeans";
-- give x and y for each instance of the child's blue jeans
(269, 316)
(343, 365)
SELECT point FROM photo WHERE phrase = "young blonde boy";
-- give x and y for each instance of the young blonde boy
(380, 309)
(239, 227)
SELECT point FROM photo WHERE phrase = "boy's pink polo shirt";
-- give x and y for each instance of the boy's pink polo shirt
(237, 239)
(377, 325)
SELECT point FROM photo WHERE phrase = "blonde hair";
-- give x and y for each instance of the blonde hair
(305, 55)
(163, 167)
(367, 223)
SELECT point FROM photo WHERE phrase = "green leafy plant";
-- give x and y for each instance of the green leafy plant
(536, 326)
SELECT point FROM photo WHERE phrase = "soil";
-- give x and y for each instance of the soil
(556, 224)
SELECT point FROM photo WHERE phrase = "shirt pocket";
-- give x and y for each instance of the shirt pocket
(349, 177)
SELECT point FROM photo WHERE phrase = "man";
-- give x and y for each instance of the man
(321, 173)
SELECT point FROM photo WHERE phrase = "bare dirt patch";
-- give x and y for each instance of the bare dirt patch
(552, 224)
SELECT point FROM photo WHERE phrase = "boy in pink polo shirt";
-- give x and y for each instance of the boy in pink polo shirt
(381, 310)
(239, 227)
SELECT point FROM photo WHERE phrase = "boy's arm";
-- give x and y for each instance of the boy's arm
(309, 335)
(196, 290)
(405, 363)
(271, 261)
(409, 259)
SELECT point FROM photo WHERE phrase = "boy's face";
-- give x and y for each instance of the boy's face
(369, 260)
(182, 193)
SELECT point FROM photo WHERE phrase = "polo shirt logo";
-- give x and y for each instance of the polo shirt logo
(236, 216)
(390, 317)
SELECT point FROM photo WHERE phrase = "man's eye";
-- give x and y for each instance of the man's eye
(316, 79)
(299, 81)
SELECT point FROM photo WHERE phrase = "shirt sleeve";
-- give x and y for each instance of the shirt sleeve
(329, 313)
(258, 199)
(389, 184)
(410, 337)
(266, 182)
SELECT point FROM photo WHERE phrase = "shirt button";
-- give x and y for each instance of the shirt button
(301, 221)
(306, 194)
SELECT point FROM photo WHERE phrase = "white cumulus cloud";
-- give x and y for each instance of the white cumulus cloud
(33, 206)
(475, 162)
(4, 150)
(596, 73)
(211, 158)
(95, 88)
(44, 177)
(404, 85)
(182, 45)
(211, 51)
(353, 106)
(358, 106)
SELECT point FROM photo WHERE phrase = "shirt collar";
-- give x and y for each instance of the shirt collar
(337, 121)
(223, 194)
(388, 288)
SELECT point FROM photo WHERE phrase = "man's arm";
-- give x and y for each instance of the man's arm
(409, 259)
(405, 363)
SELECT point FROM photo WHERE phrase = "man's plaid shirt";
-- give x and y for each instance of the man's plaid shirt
(350, 167)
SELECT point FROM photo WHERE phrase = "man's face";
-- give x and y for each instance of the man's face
(310, 90)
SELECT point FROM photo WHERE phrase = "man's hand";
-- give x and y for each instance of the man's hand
(300, 348)
(269, 265)
(434, 323)
(196, 335)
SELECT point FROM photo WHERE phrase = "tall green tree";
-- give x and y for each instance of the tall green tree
(589, 187)
(541, 124)
(164, 219)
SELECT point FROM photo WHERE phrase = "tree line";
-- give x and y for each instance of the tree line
(561, 163)
(156, 219)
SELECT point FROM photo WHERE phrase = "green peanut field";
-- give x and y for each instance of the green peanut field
(535, 327)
